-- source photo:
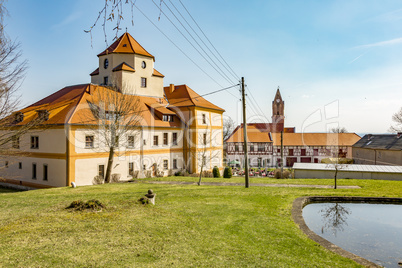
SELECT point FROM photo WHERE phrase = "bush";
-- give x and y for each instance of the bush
(207, 174)
(115, 177)
(286, 174)
(92, 204)
(178, 173)
(216, 172)
(98, 180)
(227, 173)
(335, 161)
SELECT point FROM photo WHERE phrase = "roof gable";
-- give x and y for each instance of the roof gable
(126, 44)
(184, 96)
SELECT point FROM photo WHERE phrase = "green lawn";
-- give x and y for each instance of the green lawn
(200, 226)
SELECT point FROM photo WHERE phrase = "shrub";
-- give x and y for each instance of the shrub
(178, 173)
(286, 174)
(207, 174)
(98, 180)
(216, 172)
(227, 173)
(335, 161)
(115, 177)
(92, 204)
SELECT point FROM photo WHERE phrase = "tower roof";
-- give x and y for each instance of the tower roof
(278, 95)
(126, 44)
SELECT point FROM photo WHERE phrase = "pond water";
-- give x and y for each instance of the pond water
(371, 231)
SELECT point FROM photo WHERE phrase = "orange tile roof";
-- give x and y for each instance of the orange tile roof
(70, 106)
(315, 139)
(126, 44)
(123, 67)
(156, 73)
(254, 134)
(184, 96)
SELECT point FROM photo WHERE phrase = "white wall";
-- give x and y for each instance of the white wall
(56, 170)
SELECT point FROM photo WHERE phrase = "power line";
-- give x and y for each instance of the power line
(201, 39)
(176, 45)
(190, 41)
(233, 72)
(257, 106)
(222, 73)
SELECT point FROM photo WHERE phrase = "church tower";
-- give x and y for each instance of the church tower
(278, 109)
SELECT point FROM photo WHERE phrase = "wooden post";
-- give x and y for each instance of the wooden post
(245, 134)
(282, 154)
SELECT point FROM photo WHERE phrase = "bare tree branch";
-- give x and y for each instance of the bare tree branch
(397, 118)
(228, 127)
(113, 116)
(338, 130)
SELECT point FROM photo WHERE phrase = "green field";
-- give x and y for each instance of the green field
(215, 226)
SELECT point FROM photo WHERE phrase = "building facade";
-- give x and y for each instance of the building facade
(175, 129)
(264, 143)
(383, 149)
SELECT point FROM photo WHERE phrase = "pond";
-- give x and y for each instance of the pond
(371, 231)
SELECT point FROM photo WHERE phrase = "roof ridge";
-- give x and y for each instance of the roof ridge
(70, 114)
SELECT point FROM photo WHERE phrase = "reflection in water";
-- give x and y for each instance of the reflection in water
(371, 231)
(334, 216)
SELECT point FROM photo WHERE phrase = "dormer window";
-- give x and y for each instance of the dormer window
(167, 118)
(125, 45)
(43, 114)
(19, 117)
(105, 63)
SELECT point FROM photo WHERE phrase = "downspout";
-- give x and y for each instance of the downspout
(67, 133)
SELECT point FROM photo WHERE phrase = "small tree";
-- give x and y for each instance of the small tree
(227, 172)
(12, 72)
(113, 116)
(397, 118)
(204, 153)
(338, 130)
(216, 172)
(228, 127)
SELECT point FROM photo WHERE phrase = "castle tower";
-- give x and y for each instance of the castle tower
(278, 109)
(128, 66)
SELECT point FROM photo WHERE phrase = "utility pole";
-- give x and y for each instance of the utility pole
(282, 154)
(245, 133)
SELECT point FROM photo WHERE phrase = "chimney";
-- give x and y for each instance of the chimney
(369, 136)
(171, 88)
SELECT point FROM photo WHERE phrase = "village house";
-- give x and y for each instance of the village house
(264, 143)
(175, 124)
(384, 149)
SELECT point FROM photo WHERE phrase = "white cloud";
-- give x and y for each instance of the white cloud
(382, 43)
(69, 19)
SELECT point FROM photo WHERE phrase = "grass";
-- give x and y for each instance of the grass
(190, 225)
(7, 190)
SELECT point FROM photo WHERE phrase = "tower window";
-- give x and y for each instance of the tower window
(105, 80)
(143, 82)
(143, 65)
(105, 63)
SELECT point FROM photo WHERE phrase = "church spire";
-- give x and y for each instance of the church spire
(278, 109)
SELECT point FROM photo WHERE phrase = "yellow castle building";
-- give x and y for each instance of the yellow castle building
(175, 128)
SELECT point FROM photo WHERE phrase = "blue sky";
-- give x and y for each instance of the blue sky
(336, 62)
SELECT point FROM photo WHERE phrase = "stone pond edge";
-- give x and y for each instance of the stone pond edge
(297, 215)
